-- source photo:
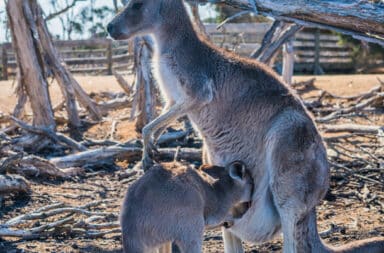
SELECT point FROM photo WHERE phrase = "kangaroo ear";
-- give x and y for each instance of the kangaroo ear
(236, 170)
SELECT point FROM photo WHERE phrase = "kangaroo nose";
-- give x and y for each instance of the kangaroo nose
(110, 29)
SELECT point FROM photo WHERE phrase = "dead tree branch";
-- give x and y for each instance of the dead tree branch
(362, 19)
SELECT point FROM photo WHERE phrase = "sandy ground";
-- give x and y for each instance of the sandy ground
(337, 84)
(340, 208)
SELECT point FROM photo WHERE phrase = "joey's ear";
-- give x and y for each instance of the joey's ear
(236, 170)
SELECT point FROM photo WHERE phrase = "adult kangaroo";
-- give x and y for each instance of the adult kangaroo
(244, 112)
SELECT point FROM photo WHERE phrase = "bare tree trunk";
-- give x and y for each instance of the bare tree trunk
(30, 65)
(53, 60)
(145, 84)
(35, 55)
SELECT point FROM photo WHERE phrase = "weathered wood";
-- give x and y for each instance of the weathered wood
(30, 65)
(145, 82)
(123, 83)
(361, 19)
(288, 61)
(47, 132)
(4, 59)
(53, 60)
(280, 33)
(131, 153)
(109, 58)
(353, 128)
(13, 184)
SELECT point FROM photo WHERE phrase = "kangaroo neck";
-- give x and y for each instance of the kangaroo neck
(175, 34)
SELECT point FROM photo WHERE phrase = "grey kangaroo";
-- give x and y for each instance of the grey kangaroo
(174, 204)
(243, 111)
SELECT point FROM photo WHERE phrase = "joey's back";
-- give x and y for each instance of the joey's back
(173, 203)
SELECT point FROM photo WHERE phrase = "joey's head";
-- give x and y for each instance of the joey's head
(234, 182)
(141, 17)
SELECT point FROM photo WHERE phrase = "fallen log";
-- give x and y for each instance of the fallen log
(57, 137)
(360, 19)
(130, 153)
(33, 166)
(13, 184)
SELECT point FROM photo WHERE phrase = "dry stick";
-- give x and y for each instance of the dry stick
(56, 209)
(122, 82)
(354, 173)
(354, 128)
(57, 137)
(171, 137)
(86, 225)
(115, 104)
(113, 130)
(359, 97)
(356, 107)
(237, 15)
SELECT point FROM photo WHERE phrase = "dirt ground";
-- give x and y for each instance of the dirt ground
(341, 208)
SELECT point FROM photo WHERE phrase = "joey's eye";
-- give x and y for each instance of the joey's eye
(137, 6)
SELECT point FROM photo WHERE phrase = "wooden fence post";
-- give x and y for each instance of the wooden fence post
(109, 58)
(5, 63)
(288, 61)
(317, 70)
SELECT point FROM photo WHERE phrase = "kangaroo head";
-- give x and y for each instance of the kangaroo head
(234, 179)
(140, 17)
(243, 183)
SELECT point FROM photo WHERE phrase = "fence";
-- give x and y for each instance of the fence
(95, 56)
(314, 49)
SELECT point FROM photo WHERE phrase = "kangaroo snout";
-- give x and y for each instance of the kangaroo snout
(114, 31)
(111, 30)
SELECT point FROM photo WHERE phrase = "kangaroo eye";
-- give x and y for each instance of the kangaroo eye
(137, 6)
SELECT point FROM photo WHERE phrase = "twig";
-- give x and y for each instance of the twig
(57, 137)
(356, 175)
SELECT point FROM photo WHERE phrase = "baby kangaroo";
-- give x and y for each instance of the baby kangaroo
(175, 203)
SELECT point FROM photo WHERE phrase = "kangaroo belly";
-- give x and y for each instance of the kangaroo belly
(225, 142)
(261, 222)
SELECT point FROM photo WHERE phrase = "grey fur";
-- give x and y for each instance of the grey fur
(243, 111)
(174, 204)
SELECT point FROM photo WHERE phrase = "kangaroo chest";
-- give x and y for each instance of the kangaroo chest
(168, 80)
